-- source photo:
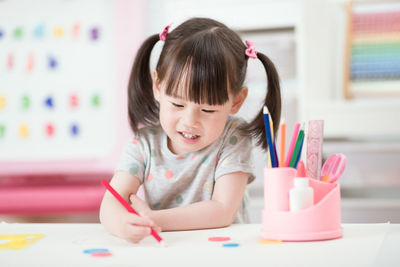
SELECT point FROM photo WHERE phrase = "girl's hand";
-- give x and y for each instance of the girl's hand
(135, 227)
(140, 206)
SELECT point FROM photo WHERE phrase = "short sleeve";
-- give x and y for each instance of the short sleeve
(236, 155)
(132, 158)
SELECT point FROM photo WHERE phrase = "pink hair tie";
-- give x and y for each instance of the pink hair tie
(163, 34)
(251, 50)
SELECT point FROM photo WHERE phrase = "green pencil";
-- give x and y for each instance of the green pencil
(297, 148)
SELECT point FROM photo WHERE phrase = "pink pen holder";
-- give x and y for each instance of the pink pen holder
(321, 221)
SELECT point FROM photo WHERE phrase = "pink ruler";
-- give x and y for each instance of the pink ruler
(314, 148)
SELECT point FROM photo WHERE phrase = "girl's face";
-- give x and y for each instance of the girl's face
(190, 126)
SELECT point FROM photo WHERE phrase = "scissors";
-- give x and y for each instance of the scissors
(333, 168)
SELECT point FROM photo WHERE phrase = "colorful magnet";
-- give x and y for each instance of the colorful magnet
(94, 33)
(52, 62)
(29, 66)
(10, 61)
(23, 131)
(2, 130)
(25, 101)
(18, 32)
(49, 102)
(74, 129)
(96, 100)
(58, 31)
(38, 32)
(2, 102)
(75, 30)
(73, 100)
(49, 128)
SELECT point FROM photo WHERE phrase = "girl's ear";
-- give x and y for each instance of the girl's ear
(239, 99)
(156, 86)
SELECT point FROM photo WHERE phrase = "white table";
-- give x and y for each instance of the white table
(63, 245)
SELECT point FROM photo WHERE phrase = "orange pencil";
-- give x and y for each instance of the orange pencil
(282, 146)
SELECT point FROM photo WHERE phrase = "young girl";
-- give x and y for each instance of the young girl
(191, 156)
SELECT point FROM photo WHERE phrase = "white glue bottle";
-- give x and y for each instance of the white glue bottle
(301, 196)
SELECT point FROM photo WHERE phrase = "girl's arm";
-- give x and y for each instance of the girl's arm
(220, 211)
(116, 219)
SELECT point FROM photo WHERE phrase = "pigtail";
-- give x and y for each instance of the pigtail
(142, 107)
(272, 100)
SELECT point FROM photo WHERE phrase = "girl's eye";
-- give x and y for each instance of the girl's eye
(177, 105)
(208, 111)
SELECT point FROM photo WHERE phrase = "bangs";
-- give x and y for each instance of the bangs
(198, 72)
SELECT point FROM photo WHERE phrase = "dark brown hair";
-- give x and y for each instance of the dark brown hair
(213, 58)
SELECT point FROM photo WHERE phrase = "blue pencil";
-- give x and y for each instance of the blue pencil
(269, 137)
(271, 123)
(275, 154)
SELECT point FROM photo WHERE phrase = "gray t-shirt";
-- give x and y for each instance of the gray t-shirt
(171, 180)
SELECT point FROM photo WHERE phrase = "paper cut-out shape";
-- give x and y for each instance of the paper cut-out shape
(219, 238)
(95, 250)
(269, 242)
(101, 254)
(18, 241)
(98, 252)
(230, 245)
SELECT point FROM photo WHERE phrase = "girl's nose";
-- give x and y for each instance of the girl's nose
(190, 118)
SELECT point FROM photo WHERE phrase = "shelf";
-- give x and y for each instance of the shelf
(51, 198)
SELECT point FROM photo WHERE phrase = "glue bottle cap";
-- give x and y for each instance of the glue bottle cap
(301, 182)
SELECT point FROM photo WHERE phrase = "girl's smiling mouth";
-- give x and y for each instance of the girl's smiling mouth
(189, 136)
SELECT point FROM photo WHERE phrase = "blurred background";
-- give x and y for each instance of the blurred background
(64, 67)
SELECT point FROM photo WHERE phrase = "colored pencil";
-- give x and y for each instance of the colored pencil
(276, 155)
(271, 124)
(282, 146)
(269, 160)
(269, 137)
(129, 208)
(292, 144)
(297, 148)
(299, 154)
